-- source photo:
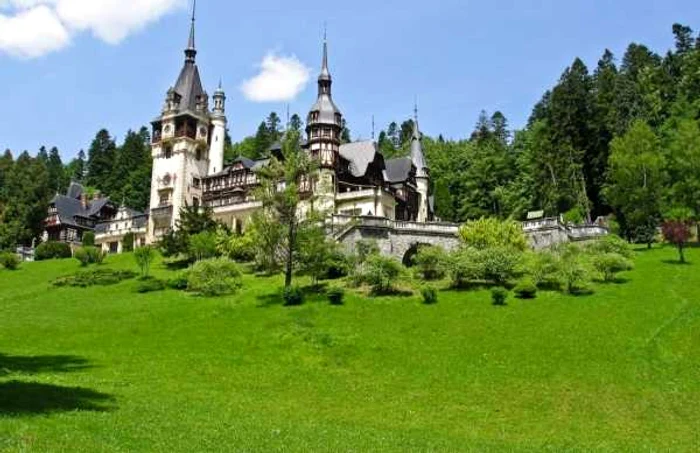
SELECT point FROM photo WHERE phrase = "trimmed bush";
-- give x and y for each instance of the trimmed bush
(293, 296)
(96, 277)
(431, 263)
(214, 277)
(128, 243)
(9, 261)
(52, 250)
(430, 295)
(338, 265)
(499, 296)
(88, 239)
(336, 295)
(611, 264)
(89, 255)
(526, 289)
(149, 285)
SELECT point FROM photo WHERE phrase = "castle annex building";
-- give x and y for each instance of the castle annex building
(353, 179)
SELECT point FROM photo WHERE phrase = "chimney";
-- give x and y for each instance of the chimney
(84, 200)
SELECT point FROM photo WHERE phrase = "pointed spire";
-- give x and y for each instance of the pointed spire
(417, 156)
(416, 129)
(325, 73)
(191, 51)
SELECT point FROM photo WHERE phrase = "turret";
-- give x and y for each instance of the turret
(422, 171)
(218, 135)
(325, 121)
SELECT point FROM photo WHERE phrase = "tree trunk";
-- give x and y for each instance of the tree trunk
(290, 256)
(680, 252)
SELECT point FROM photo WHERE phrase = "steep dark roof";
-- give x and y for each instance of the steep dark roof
(189, 87)
(398, 170)
(360, 155)
(68, 208)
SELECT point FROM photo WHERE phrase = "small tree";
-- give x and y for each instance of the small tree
(677, 232)
(281, 184)
(202, 246)
(144, 257)
(315, 252)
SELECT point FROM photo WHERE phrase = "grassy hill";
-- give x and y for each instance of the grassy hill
(106, 369)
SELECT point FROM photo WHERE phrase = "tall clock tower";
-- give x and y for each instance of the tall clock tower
(188, 143)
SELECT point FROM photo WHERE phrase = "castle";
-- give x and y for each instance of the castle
(353, 179)
(188, 141)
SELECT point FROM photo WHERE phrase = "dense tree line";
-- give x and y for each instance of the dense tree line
(28, 183)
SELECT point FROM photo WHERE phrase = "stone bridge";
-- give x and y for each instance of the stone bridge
(401, 239)
(394, 237)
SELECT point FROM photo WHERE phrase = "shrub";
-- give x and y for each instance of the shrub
(573, 272)
(545, 269)
(381, 273)
(526, 289)
(293, 296)
(499, 296)
(491, 232)
(337, 266)
(149, 285)
(611, 264)
(430, 295)
(336, 295)
(612, 244)
(466, 267)
(88, 239)
(96, 277)
(178, 282)
(366, 248)
(202, 246)
(144, 257)
(89, 255)
(128, 243)
(238, 247)
(431, 263)
(499, 264)
(52, 250)
(9, 261)
(214, 277)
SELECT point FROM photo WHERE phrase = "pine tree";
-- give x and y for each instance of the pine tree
(101, 160)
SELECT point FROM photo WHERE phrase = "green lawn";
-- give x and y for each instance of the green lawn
(105, 369)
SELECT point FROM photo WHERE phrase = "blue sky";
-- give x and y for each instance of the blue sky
(101, 68)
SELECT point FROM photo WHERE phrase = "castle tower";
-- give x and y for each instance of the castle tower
(422, 172)
(218, 134)
(324, 128)
(181, 145)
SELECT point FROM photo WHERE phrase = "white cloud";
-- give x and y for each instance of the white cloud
(280, 79)
(36, 27)
(32, 33)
